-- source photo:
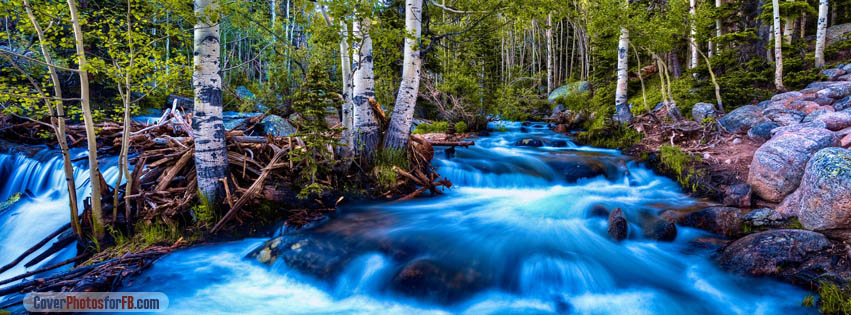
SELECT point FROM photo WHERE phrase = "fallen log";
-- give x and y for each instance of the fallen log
(36, 247)
(65, 239)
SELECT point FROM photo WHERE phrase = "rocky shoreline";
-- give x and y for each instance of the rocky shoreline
(780, 171)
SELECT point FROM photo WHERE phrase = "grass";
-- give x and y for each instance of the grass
(157, 233)
(681, 163)
(435, 127)
(834, 299)
(385, 160)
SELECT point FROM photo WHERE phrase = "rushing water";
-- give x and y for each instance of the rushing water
(43, 205)
(516, 234)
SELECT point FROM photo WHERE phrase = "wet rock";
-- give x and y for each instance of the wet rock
(738, 195)
(708, 242)
(554, 143)
(773, 252)
(435, 281)
(833, 74)
(561, 128)
(660, 230)
(673, 216)
(598, 211)
(701, 111)
(784, 117)
(842, 104)
(277, 126)
(836, 120)
(529, 142)
(763, 217)
(526, 124)
(762, 131)
(787, 96)
(618, 227)
(778, 165)
(576, 170)
(724, 221)
(741, 119)
(484, 133)
(824, 196)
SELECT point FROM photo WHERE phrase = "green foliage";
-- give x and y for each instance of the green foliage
(204, 213)
(433, 127)
(809, 301)
(385, 161)
(834, 299)
(610, 134)
(460, 127)
(157, 233)
(682, 164)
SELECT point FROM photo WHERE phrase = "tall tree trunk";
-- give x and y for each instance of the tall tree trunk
(789, 28)
(822, 31)
(692, 33)
(91, 141)
(622, 112)
(676, 69)
(366, 132)
(58, 123)
(718, 32)
(778, 47)
(403, 112)
(348, 106)
(211, 159)
(549, 35)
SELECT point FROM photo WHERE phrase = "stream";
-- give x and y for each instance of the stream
(517, 233)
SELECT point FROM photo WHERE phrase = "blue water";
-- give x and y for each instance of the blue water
(515, 229)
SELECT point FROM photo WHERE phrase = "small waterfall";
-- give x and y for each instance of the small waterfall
(43, 205)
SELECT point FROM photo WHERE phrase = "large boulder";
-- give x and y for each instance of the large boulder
(762, 131)
(741, 119)
(277, 126)
(438, 281)
(773, 252)
(701, 111)
(763, 217)
(815, 114)
(778, 165)
(618, 227)
(823, 200)
(784, 117)
(802, 105)
(836, 120)
(579, 87)
(247, 96)
(724, 221)
(842, 104)
(795, 128)
(833, 74)
(836, 91)
(837, 33)
(787, 96)
(529, 142)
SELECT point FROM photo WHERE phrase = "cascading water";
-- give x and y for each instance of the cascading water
(43, 204)
(517, 234)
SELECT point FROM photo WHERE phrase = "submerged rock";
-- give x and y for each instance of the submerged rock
(741, 119)
(823, 201)
(778, 165)
(618, 227)
(529, 142)
(436, 281)
(660, 230)
(724, 221)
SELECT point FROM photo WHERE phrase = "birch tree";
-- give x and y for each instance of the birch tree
(211, 159)
(778, 46)
(91, 141)
(365, 129)
(712, 45)
(550, 51)
(622, 112)
(403, 112)
(692, 33)
(788, 28)
(821, 32)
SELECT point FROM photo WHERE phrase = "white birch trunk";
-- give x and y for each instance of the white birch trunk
(622, 112)
(403, 112)
(347, 108)
(91, 141)
(778, 47)
(789, 28)
(549, 35)
(712, 45)
(822, 31)
(691, 38)
(366, 132)
(211, 160)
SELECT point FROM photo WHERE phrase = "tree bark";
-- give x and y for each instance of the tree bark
(712, 45)
(622, 112)
(403, 112)
(366, 132)
(692, 33)
(789, 28)
(91, 141)
(548, 33)
(211, 159)
(59, 123)
(822, 31)
(778, 47)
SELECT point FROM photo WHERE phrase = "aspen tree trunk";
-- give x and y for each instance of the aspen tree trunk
(822, 31)
(712, 45)
(366, 132)
(769, 53)
(348, 106)
(778, 47)
(123, 169)
(59, 123)
(399, 129)
(91, 141)
(211, 159)
(548, 33)
(692, 41)
(789, 28)
(622, 112)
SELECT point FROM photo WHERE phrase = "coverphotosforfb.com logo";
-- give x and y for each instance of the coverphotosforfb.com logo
(41, 302)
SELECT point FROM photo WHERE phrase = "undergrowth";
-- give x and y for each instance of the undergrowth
(681, 163)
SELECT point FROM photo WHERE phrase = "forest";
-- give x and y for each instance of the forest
(426, 156)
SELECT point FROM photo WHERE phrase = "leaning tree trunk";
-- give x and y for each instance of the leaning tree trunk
(778, 47)
(59, 123)
(622, 112)
(822, 31)
(692, 33)
(211, 159)
(403, 112)
(366, 133)
(91, 141)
